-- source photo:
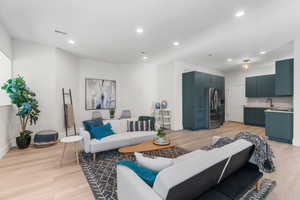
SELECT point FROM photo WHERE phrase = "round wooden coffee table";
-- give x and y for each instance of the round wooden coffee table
(147, 146)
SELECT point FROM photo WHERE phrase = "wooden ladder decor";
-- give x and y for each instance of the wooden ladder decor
(68, 111)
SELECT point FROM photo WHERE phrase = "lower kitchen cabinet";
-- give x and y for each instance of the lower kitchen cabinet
(254, 116)
(279, 126)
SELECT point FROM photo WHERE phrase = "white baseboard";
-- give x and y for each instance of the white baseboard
(296, 143)
(4, 150)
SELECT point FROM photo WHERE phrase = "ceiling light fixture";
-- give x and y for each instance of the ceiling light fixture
(145, 58)
(229, 59)
(71, 41)
(246, 64)
(240, 13)
(176, 43)
(139, 30)
(262, 52)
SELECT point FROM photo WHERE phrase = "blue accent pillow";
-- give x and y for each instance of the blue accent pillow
(146, 174)
(100, 132)
(89, 124)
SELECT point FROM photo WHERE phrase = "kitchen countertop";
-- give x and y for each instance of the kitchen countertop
(270, 109)
(278, 111)
(267, 107)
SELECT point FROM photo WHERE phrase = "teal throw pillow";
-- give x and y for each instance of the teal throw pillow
(89, 124)
(146, 174)
(100, 132)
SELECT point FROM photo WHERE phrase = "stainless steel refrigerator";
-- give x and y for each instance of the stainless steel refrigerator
(215, 108)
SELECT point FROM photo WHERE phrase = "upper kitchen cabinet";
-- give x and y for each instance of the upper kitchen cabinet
(251, 87)
(266, 86)
(260, 86)
(284, 78)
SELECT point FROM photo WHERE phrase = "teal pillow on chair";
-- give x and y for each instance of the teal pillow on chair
(146, 174)
(100, 132)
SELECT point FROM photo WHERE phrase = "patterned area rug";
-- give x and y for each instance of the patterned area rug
(267, 186)
(102, 176)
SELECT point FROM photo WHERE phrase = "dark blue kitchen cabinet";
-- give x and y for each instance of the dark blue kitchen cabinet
(260, 86)
(188, 86)
(284, 79)
(254, 116)
(266, 86)
(279, 126)
(195, 98)
(251, 87)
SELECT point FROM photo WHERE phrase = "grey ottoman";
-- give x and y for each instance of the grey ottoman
(45, 138)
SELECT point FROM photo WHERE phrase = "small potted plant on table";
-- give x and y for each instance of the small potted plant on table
(112, 113)
(27, 105)
(161, 138)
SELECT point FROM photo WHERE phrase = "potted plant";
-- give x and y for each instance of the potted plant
(112, 113)
(28, 108)
(161, 137)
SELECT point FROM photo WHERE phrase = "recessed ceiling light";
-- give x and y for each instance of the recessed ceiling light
(145, 57)
(71, 41)
(176, 43)
(229, 59)
(139, 30)
(240, 13)
(262, 52)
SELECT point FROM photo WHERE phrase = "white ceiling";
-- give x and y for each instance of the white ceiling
(106, 29)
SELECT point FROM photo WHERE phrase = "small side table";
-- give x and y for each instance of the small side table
(68, 140)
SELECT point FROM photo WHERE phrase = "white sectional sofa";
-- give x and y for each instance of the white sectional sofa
(200, 175)
(119, 139)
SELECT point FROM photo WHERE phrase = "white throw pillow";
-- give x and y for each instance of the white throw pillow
(156, 164)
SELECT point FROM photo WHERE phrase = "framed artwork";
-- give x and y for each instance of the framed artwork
(100, 94)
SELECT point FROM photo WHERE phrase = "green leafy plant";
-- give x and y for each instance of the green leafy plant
(24, 99)
(161, 133)
(112, 112)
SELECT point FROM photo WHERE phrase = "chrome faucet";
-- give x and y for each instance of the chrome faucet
(271, 102)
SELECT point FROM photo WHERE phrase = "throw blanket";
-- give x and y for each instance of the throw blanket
(262, 155)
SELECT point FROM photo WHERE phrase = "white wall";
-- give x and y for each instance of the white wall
(37, 64)
(67, 76)
(296, 140)
(5, 111)
(136, 86)
(46, 71)
(235, 92)
(5, 42)
(139, 85)
(97, 70)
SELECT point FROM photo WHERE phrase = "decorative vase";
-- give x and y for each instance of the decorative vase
(23, 142)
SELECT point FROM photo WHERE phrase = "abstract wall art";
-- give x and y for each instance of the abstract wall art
(100, 94)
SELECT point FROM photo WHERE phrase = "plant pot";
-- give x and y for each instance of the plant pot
(112, 116)
(23, 142)
(161, 140)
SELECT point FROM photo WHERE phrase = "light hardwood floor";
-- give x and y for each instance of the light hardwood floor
(36, 173)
